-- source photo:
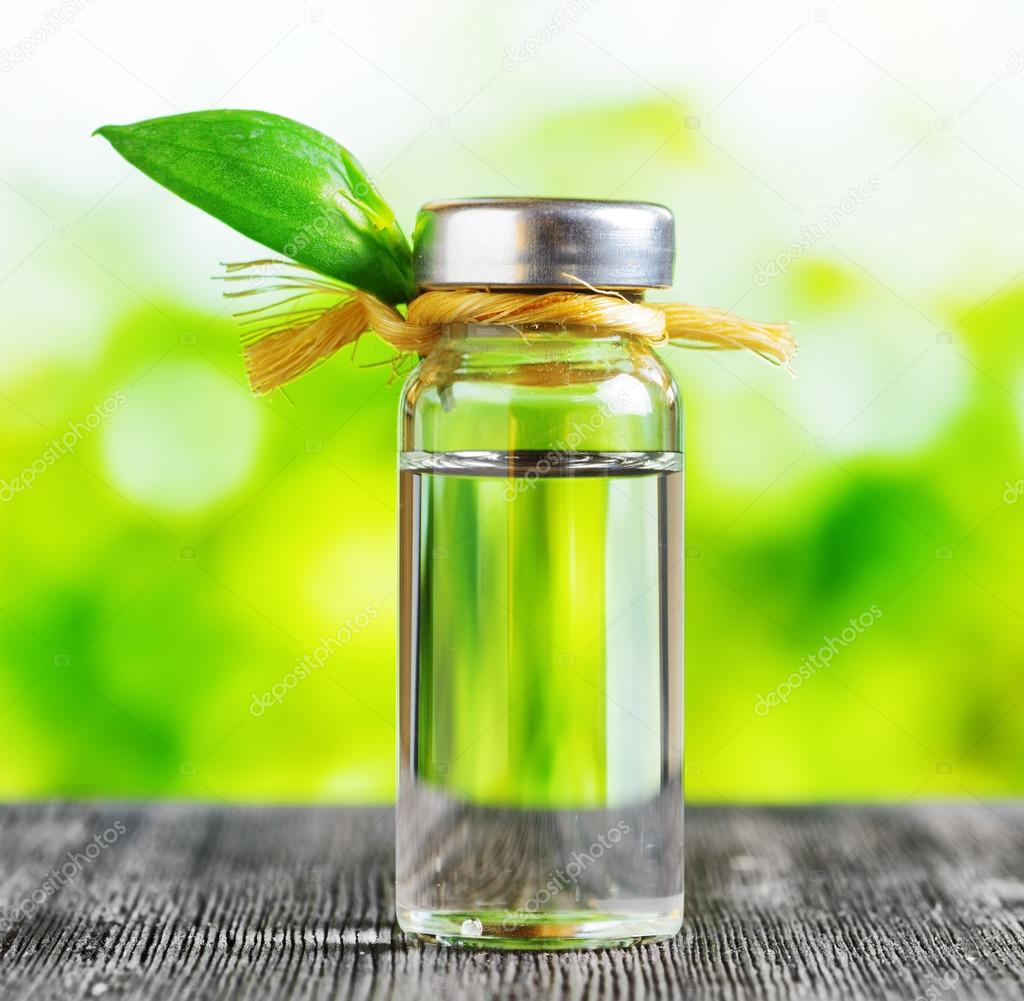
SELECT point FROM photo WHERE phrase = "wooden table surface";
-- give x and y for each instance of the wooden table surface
(174, 900)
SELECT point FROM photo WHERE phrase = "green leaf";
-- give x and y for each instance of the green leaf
(281, 183)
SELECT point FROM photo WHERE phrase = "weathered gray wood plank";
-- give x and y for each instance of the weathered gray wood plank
(200, 901)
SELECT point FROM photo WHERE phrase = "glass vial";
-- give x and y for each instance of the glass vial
(541, 690)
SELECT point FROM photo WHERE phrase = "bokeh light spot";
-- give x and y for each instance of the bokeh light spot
(186, 436)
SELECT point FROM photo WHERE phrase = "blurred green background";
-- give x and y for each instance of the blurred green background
(185, 544)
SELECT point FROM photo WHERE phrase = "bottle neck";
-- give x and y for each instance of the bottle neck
(505, 387)
(493, 346)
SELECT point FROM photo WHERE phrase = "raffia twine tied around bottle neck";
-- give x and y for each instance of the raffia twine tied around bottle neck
(286, 339)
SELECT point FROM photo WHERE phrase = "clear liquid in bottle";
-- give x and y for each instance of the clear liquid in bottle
(540, 787)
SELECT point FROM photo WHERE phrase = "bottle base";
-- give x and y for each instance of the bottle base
(555, 930)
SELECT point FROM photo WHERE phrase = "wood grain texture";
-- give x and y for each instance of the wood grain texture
(197, 901)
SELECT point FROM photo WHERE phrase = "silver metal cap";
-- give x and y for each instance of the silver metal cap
(543, 243)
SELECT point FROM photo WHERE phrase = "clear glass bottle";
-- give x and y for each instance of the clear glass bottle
(540, 691)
